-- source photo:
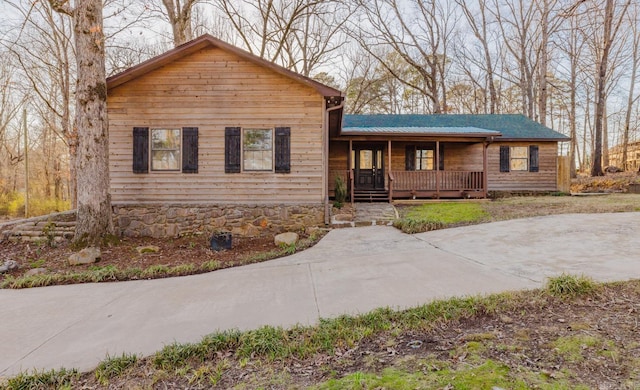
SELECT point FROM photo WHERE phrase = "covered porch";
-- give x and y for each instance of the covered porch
(376, 169)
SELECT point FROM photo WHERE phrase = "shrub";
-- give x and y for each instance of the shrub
(570, 286)
(340, 192)
(12, 204)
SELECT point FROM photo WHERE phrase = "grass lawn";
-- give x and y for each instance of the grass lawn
(438, 215)
(572, 334)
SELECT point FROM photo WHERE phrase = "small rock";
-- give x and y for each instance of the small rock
(286, 239)
(247, 230)
(35, 271)
(342, 217)
(8, 265)
(148, 249)
(85, 256)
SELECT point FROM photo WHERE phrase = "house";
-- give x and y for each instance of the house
(633, 157)
(208, 136)
(443, 156)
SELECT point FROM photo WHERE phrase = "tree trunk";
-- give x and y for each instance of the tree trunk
(542, 71)
(630, 99)
(605, 136)
(596, 168)
(572, 119)
(92, 161)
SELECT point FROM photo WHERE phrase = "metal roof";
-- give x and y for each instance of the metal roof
(467, 131)
(510, 126)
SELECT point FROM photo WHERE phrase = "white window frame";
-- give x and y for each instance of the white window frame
(177, 155)
(244, 151)
(519, 161)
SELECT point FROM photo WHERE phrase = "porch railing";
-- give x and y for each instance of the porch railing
(437, 180)
(402, 184)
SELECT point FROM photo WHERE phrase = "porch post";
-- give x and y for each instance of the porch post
(437, 167)
(389, 170)
(485, 146)
(350, 171)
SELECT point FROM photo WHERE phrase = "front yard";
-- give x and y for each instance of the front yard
(191, 254)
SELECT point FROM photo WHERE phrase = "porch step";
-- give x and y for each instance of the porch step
(371, 196)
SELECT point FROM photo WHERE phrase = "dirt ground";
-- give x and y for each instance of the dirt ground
(173, 252)
(544, 342)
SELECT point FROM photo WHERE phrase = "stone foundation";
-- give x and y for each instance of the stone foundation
(247, 220)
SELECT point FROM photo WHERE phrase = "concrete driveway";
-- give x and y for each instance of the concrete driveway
(349, 271)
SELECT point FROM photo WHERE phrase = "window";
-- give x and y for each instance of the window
(165, 149)
(424, 159)
(257, 149)
(519, 158)
(366, 159)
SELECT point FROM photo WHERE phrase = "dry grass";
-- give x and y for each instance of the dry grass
(611, 182)
(528, 206)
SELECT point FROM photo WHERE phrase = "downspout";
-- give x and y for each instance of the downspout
(325, 179)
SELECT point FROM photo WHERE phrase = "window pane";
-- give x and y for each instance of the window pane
(519, 152)
(366, 159)
(257, 149)
(519, 158)
(519, 164)
(165, 139)
(424, 159)
(165, 160)
(165, 149)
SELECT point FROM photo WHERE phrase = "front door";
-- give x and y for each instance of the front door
(369, 167)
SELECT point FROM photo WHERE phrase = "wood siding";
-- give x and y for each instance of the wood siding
(466, 156)
(212, 89)
(543, 180)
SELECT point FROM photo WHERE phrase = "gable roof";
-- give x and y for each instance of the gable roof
(509, 126)
(202, 42)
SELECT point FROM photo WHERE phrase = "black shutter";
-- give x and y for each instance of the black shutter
(189, 150)
(283, 149)
(441, 158)
(232, 149)
(533, 158)
(140, 150)
(504, 159)
(410, 158)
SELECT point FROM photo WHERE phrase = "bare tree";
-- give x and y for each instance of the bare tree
(612, 22)
(10, 104)
(479, 28)
(362, 87)
(92, 163)
(179, 15)
(516, 21)
(633, 20)
(571, 43)
(301, 35)
(418, 31)
(550, 20)
(44, 52)
(315, 37)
